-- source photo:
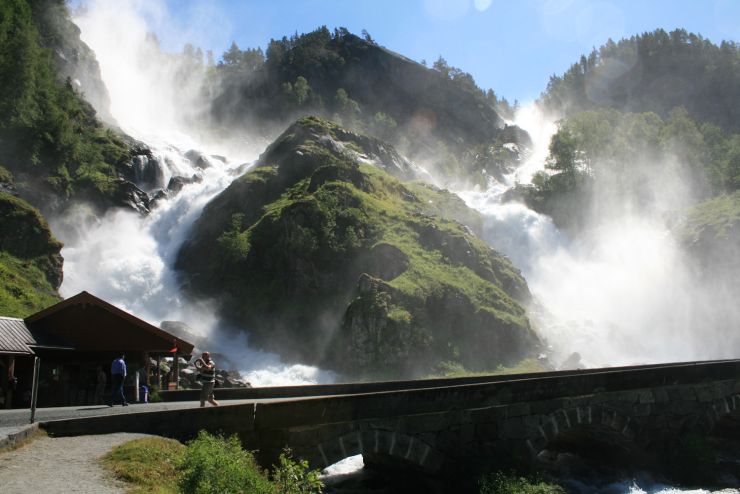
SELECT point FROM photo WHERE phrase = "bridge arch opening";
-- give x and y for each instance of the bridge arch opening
(583, 438)
(597, 444)
(363, 457)
(380, 447)
(722, 418)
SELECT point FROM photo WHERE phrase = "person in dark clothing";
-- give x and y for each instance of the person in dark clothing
(117, 374)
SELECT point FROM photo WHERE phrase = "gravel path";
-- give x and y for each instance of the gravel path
(60, 465)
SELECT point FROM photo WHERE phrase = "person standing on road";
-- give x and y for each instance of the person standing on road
(117, 374)
(207, 377)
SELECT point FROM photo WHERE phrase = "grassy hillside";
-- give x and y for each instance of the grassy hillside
(30, 264)
(320, 245)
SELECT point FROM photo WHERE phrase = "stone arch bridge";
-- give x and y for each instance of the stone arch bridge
(449, 427)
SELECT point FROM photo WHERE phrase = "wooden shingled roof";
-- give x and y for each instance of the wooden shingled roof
(89, 323)
(15, 338)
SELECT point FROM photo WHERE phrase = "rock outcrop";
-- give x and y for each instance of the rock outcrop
(323, 254)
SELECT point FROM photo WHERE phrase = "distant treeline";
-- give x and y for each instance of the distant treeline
(632, 105)
(656, 72)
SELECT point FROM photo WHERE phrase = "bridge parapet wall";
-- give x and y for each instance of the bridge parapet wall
(475, 426)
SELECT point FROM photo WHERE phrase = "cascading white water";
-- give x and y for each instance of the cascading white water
(126, 258)
(620, 293)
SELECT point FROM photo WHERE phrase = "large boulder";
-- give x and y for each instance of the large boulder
(322, 255)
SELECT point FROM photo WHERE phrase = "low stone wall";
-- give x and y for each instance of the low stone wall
(13, 436)
(178, 424)
(376, 387)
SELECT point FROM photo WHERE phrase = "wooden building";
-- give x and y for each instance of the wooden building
(74, 340)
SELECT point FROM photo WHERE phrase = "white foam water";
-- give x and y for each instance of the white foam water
(125, 258)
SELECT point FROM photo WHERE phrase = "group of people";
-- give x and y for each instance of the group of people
(206, 376)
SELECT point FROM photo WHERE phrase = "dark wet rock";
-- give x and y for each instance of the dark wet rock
(148, 172)
(128, 195)
(386, 261)
(198, 159)
(176, 184)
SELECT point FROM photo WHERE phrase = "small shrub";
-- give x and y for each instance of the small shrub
(501, 483)
(294, 477)
(215, 464)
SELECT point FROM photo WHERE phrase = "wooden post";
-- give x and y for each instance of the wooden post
(147, 369)
(159, 372)
(11, 374)
(35, 386)
(176, 366)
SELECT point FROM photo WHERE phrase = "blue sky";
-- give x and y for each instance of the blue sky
(510, 46)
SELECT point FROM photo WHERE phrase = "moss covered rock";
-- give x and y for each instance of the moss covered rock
(30, 263)
(323, 255)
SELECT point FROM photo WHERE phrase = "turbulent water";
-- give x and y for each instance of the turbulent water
(127, 259)
(622, 292)
(618, 295)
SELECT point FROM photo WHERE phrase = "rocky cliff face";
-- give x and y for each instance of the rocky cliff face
(73, 59)
(322, 253)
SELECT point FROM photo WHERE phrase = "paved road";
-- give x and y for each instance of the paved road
(61, 465)
(14, 418)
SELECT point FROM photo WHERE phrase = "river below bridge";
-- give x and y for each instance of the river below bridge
(350, 477)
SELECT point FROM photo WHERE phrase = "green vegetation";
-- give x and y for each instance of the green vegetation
(30, 264)
(718, 218)
(655, 72)
(47, 131)
(208, 464)
(366, 88)
(685, 89)
(501, 483)
(623, 152)
(23, 287)
(294, 236)
(455, 369)
(215, 464)
(5, 176)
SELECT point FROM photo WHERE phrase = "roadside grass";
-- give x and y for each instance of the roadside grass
(148, 465)
(208, 464)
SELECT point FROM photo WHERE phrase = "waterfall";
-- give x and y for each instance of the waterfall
(621, 292)
(127, 259)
